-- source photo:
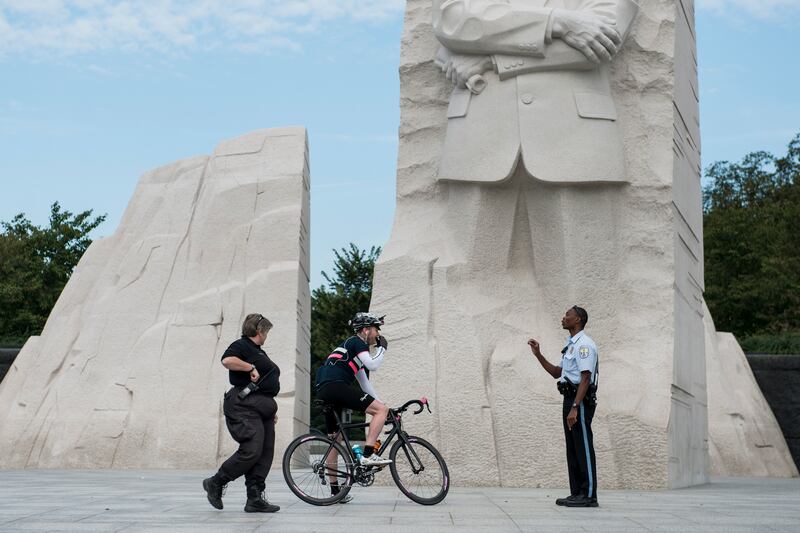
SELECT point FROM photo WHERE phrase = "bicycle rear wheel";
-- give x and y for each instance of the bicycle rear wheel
(419, 470)
(307, 473)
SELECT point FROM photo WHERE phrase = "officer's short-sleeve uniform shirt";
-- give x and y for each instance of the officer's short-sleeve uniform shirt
(580, 354)
(343, 363)
(250, 352)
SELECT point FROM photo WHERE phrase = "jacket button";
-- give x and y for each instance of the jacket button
(527, 98)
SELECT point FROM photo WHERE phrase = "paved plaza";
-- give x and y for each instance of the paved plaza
(47, 500)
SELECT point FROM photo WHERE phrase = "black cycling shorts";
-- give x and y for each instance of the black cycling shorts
(342, 396)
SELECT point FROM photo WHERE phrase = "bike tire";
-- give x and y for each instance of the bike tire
(302, 464)
(428, 490)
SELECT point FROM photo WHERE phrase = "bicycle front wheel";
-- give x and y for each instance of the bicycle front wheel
(310, 463)
(419, 470)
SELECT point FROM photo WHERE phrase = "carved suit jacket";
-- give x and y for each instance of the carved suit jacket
(545, 106)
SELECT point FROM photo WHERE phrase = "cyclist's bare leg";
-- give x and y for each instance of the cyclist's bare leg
(379, 412)
(333, 461)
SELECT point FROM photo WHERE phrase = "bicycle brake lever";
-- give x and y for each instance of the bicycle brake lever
(424, 401)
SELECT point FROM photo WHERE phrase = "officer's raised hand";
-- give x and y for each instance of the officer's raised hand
(534, 344)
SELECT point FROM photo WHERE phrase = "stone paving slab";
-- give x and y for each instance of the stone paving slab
(141, 501)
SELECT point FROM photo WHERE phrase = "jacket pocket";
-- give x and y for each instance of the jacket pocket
(595, 105)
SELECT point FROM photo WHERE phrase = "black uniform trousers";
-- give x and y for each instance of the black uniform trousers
(251, 423)
(580, 449)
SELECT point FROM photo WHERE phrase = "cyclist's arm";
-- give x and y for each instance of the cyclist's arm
(372, 363)
(366, 385)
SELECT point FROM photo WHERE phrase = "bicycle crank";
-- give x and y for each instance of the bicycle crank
(364, 476)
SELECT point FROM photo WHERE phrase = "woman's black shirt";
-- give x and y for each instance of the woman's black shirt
(250, 352)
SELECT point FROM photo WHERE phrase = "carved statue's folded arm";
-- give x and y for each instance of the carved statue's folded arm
(517, 37)
(560, 55)
(488, 28)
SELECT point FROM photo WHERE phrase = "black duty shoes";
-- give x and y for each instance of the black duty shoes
(257, 504)
(563, 501)
(581, 501)
(213, 492)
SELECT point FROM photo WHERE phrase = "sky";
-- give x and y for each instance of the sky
(93, 93)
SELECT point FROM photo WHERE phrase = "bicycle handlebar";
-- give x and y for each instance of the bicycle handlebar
(422, 403)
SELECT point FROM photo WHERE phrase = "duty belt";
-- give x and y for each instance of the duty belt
(567, 388)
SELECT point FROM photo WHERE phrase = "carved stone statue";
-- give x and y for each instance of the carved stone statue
(539, 90)
(562, 169)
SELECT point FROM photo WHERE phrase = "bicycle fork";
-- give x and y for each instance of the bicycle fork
(413, 458)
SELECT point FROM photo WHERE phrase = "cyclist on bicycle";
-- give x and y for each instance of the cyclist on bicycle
(351, 362)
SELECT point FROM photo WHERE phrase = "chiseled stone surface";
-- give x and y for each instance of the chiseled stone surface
(744, 437)
(471, 271)
(126, 373)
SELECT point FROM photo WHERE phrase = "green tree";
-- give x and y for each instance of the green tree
(35, 264)
(752, 245)
(347, 291)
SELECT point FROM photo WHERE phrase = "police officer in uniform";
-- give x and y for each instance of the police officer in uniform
(577, 382)
(250, 414)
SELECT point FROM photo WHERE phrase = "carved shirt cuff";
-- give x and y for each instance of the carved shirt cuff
(548, 33)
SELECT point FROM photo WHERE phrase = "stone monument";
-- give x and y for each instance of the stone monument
(546, 178)
(127, 373)
(744, 436)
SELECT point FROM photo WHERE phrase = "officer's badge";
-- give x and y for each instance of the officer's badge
(584, 351)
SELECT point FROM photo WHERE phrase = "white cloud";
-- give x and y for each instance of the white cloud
(68, 27)
(762, 9)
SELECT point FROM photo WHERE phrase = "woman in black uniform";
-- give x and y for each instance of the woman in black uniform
(250, 414)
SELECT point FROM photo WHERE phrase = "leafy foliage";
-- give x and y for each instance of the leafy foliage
(752, 246)
(35, 265)
(347, 291)
(776, 343)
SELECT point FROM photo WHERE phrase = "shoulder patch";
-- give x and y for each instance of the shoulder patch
(584, 351)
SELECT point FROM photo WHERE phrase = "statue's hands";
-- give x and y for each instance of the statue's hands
(459, 68)
(593, 36)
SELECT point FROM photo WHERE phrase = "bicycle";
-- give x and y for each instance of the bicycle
(419, 471)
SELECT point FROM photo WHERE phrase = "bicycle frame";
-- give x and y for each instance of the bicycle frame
(395, 419)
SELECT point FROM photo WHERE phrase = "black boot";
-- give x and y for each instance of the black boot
(256, 502)
(581, 501)
(563, 501)
(214, 491)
